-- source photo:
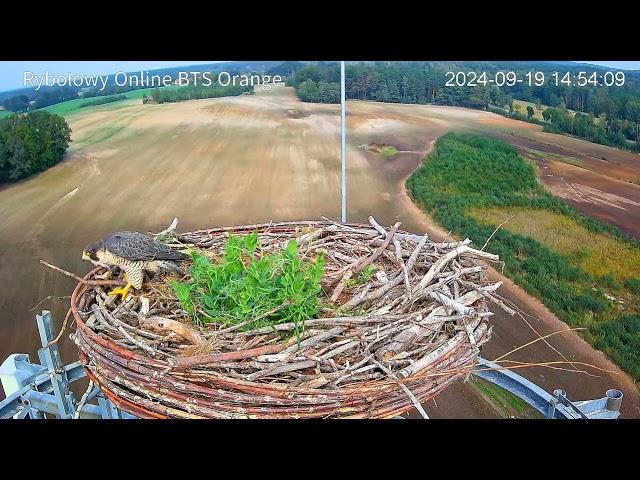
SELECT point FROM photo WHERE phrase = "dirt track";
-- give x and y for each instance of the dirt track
(231, 161)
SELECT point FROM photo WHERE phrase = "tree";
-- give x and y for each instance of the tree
(530, 112)
(509, 103)
(17, 103)
(31, 143)
(632, 112)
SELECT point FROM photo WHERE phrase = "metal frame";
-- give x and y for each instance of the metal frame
(35, 390)
(551, 406)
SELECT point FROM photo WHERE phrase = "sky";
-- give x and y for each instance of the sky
(12, 73)
(623, 65)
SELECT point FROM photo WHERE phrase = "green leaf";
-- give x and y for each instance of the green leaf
(292, 248)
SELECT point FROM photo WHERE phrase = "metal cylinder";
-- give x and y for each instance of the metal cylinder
(614, 400)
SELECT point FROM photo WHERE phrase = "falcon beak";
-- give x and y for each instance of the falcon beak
(85, 256)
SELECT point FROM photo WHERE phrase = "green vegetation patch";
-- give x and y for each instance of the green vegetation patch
(388, 151)
(102, 100)
(620, 340)
(192, 92)
(471, 183)
(31, 143)
(506, 403)
(272, 288)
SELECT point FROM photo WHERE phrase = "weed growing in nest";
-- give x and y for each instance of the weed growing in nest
(273, 288)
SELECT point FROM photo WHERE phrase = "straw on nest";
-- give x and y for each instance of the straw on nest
(395, 342)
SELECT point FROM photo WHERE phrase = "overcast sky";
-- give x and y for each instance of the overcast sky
(12, 73)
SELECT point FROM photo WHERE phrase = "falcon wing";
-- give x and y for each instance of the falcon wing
(134, 246)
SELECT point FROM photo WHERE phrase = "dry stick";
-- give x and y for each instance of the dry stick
(377, 252)
(406, 390)
(161, 324)
(406, 338)
(83, 400)
(169, 229)
(62, 329)
(50, 297)
(321, 337)
(552, 367)
(201, 360)
(520, 313)
(341, 284)
(537, 340)
(495, 231)
(82, 280)
(354, 302)
(396, 242)
(290, 367)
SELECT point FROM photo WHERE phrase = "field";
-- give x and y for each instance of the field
(252, 159)
(578, 267)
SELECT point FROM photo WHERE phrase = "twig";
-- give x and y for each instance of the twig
(82, 280)
(50, 297)
(83, 400)
(495, 231)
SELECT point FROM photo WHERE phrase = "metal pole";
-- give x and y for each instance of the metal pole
(343, 129)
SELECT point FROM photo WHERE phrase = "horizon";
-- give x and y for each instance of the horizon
(13, 71)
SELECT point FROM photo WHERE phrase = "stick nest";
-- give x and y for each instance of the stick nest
(384, 343)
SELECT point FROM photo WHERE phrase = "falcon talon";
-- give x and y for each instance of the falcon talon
(123, 292)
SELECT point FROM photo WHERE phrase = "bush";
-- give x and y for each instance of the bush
(620, 340)
(247, 284)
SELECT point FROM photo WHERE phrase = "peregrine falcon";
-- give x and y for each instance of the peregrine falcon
(134, 253)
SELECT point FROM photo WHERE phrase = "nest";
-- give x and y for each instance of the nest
(388, 344)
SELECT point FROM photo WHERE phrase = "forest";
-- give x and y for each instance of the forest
(192, 92)
(466, 174)
(605, 115)
(31, 143)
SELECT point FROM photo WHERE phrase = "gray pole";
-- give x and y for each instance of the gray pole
(343, 129)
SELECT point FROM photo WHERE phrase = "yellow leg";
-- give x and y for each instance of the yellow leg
(122, 291)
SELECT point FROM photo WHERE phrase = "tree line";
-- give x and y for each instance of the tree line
(606, 115)
(318, 83)
(30, 143)
(39, 99)
(180, 94)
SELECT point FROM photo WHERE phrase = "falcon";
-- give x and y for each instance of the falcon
(134, 253)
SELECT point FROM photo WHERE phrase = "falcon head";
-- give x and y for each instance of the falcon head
(94, 251)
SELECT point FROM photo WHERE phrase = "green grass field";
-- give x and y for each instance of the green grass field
(584, 270)
(73, 106)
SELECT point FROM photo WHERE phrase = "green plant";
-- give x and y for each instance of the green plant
(633, 284)
(388, 151)
(365, 274)
(273, 288)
